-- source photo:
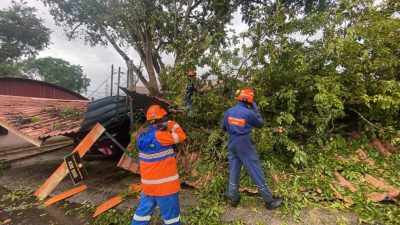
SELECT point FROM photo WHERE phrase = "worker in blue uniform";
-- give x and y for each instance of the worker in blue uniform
(238, 122)
(190, 89)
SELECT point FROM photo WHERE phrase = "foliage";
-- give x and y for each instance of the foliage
(9, 69)
(333, 71)
(2, 168)
(113, 217)
(70, 113)
(341, 73)
(298, 185)
(82, 210)
(150, 28)
(21, 32)
(36, 119)
(18, 194)
(56, 71)
(208, 210)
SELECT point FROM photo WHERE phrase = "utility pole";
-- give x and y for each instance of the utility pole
(131, 88)
(118, 81)
(112, 79)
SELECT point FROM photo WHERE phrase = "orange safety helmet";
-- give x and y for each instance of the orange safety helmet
(245, 95)
(155, 112)
(191, 73)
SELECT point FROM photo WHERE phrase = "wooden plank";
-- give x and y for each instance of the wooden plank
(27, 138)
(59, 174)
(65, 195)
(344, 182)
(107, 205)
(112, 202)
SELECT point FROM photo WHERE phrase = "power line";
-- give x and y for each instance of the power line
(100, 86)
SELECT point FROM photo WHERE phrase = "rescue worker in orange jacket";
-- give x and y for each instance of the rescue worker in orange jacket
(158, 169)
(238, 122)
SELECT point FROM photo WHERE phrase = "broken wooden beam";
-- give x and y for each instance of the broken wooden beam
(114, 201)
(65, 195)
(391, 191)
(344, 182)
(62, 171)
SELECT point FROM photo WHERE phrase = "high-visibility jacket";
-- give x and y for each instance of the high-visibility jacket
(157, 162)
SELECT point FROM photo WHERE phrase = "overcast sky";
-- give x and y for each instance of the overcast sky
(95, 61)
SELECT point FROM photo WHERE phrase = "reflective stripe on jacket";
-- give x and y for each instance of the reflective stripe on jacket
(157, 161)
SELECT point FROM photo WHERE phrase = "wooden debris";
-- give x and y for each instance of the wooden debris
(391, 191)
(344, 182)
(355, 135)
(390, 147)
(112, 202)
(340, 197)
(62, 171)
(249, 190)
(376, 196)
(126, 162)
(276, 179)
(65, 195)
(362, 156)
(378, 145)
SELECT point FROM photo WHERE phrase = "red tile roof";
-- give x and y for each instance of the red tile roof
(40, 118)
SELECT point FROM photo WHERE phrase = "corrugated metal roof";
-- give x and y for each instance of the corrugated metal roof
(40, 118)
(35, 88)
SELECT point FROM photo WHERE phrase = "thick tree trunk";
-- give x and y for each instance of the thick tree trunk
(149, 63)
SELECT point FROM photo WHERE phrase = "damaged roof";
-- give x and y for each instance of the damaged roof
(35, 119)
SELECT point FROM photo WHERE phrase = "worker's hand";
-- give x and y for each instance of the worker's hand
(163, 126)
(254, 106)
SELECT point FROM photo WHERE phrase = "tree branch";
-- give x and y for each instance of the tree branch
(73, 31)
(187, 13)
(362, 117)
(113, 43)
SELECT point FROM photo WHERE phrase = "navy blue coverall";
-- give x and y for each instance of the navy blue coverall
(238, 122)
(190, 90)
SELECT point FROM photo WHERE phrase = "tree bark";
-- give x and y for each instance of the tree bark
(149, 63)
(126, 58)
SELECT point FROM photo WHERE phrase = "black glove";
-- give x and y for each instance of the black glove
(162, 126)
(254, 107)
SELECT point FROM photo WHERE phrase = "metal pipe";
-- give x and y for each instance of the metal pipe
(114, 140)
(119, 77)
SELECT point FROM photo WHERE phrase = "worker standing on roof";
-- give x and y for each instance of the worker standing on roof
(158, 169)
(190, 89)
(238, 122)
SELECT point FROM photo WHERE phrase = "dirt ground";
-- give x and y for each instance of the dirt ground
(25, 210)
(106, 181)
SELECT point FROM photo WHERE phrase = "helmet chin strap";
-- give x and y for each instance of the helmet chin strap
(244, 101)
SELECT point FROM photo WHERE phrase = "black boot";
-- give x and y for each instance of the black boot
(234, 200)
(275, 203)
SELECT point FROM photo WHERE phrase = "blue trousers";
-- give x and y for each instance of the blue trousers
(242, 152)
(189, 103)
(169, 209)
